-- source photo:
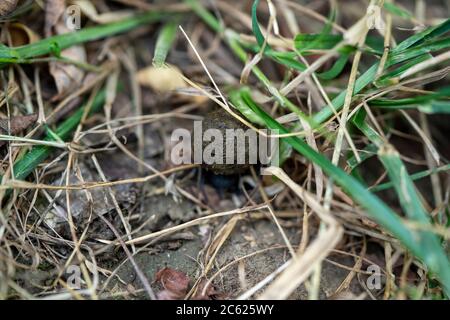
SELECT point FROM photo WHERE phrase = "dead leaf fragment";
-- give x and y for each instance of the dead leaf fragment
(54, 10)
(174, 282)
(16, 125)
(66, 76)
(162, 79)
(7, 6)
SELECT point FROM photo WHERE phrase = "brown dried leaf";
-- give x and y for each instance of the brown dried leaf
(7, 6)
(54, 10)
(175, 283)
(66, 76)
(16, 125)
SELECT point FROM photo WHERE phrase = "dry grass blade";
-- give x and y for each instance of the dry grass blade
(190, 224)
(95, 200)
(298, 270)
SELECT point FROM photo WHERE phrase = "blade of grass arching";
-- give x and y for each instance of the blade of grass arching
(346, 182)
(337, 68)
(57, 43)
(286, 59)
(429, 46)
(409, 199)
(362, 82)
(424, 246)
(290, 62)
(235, 98)
(164, 42)
(255, 27)
(24, 166)
(420, 37)
(330, 74)
(329, 41)
(369, 76)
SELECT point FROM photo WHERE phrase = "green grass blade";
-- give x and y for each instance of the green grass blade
(255, 26)
(368, 77)
(420, 37)
(417, 242)
(336, 69)
(164, 43)
(443, 93)
(429, 46)
(397, 10)
(435, 107)
(326, 31)
(37, 154)
(205, 15)
(434, 256)
(304, 42)
(57, 43)
(391, 76)
(243, 108)
(368, 152)
(414, 177)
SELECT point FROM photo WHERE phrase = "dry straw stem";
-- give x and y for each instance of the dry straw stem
(223, 102)
(345, 284)
(238, 117)
(218, 241)
(90, 185)
(298, 270)
(360, 40)
(426, 64)
(427, 142)
(190, 224)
